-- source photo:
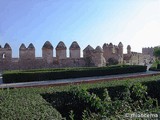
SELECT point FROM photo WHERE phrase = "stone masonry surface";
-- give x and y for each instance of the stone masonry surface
(91, 57)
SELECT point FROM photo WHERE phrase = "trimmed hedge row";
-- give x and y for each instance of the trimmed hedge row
(154, 69)
(53, 74)
(22, 104)
(28, 103)
(116, 93)
(153, 90)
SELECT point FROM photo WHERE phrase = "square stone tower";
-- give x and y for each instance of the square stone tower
(47, 52)
(6, 53)
(61, 50)
(74, 50)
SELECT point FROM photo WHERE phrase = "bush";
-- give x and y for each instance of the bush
(158, 66)
(51, 74)
(112, 61)
(155, 66)
(109, 104)
(19, 104)
(153, 89)
(28, 103)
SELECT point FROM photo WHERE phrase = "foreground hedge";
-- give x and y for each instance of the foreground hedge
(28, 103)
(19, 104)
(111, 102)
(53, 74)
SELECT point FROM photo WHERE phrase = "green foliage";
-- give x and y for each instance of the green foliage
(23, 105)
(106, 95)
(153, 89)
(89, 62)
(85, 114)
(53, 74)
(139, 91)
(154, 65)
(112, 61)
(134, 98)
(117, 97)
(156, 52)
(141, 100)
(97, 108)
(71, 115)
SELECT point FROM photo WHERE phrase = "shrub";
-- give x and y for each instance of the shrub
(28, 103)
(87, 104)
(112, 61)
(17, 104)
(53, 74)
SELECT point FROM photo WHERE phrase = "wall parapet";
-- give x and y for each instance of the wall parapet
(27, 59)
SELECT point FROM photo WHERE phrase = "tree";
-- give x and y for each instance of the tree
(156, 52)
(89, 61)
(112, 61)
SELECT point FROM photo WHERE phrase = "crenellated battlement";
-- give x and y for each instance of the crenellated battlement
(148, 51)
(6, 52)
(27, 53)
(61, 49)
(27, 59)
(113, 51)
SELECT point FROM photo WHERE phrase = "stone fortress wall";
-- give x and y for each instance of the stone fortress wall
(91, 57)
(27, 59)
(148, 51)
(135, 58)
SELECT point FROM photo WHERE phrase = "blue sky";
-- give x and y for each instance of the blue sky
(94, 22)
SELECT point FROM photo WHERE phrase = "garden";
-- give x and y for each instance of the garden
(96, 101)
(64, 73)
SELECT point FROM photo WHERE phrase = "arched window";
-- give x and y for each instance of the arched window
(3, 55)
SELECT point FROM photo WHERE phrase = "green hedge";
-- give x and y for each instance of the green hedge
(18, 104)
(154, 69)
(121, 97)
(53, 74)
(153, 89)
(28, 103)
